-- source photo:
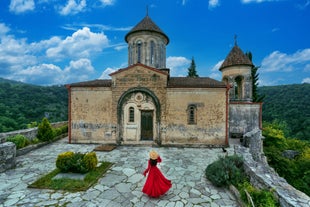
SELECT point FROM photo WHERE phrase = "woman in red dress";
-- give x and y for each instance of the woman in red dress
(156, 184)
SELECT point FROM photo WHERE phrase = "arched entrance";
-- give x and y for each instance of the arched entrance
(138, 116)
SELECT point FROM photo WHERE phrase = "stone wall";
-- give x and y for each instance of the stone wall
(7, 154)
(264, 177)
(210, 117)
(8, 149)
(244, 117)
(30, 133)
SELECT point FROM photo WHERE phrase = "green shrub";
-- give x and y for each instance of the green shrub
(60, 130)
(90, 160)
(63, 161)
(76, 162)
(261, 198)
(45, 131)
(19, 140)
(225, 171)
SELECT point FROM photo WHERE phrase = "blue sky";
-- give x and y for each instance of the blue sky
(51, 42)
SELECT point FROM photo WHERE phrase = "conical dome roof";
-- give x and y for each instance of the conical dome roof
(236, 57)
(146, 24)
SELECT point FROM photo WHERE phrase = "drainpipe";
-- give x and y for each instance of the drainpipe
(69, 112)
(228, 86)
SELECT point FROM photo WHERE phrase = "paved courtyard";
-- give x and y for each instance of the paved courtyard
(121, 185)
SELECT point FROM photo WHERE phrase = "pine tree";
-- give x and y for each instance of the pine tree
(192, 69)
(256, 97)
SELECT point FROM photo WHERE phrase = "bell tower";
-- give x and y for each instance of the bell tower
(236, 71)
(147, 44)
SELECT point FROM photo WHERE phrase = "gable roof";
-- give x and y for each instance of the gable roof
(138, 64)
(92, 83)
(146, 24)
(194, 82)
(236, 57)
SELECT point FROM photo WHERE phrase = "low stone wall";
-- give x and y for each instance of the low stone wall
(30, 133)
(264, 177)
(8, 151)
(7, 155)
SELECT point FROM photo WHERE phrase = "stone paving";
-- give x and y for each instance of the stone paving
(121, 185)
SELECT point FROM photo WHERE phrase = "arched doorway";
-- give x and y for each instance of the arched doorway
(138, 116)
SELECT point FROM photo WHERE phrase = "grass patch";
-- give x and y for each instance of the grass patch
(71, 185)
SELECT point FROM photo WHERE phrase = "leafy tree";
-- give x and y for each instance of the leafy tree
(254, 74)
(192, 69)
(295, 170)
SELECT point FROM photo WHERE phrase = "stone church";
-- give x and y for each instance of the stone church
(142, 104)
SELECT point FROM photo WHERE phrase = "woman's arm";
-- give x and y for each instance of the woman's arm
(147, 169)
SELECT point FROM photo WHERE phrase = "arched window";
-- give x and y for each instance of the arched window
(131, 114)
(192, 114)
(139, 48)
(152, 52)
(238, 87)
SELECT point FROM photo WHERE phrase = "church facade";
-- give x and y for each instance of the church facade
(143, 104)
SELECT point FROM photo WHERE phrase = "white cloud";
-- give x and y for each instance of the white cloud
(278, 61)
(106, 72)
(14, 53)
(217, 66)
(79, 70)
(35, 62)
(178, 65)
(21, 6)
(107, 2)
(255, 1)
(81, 44)
(3, 29)
(43, 74)
(213, 3)
(306, 80)
(73, 7)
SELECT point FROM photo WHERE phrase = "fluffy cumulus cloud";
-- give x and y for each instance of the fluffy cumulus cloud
(42, 74)
(73, 7)
(14, 53)
(178, 65)
(21, 6)
(79, 70)
(52, 61)
(306, 80)
(278, 67)
(82, 43)
(278, 61)
(106, 72)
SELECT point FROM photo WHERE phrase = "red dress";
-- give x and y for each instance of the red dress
(156, 184)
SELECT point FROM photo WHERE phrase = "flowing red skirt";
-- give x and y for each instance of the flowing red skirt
(156, 184)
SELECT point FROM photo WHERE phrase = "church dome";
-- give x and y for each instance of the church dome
(146, 24)
(236, 57)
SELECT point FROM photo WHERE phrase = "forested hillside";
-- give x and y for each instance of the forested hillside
(288, 105)
(21, 104)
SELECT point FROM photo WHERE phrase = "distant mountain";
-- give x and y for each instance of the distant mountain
(21, 104)
(288, 104)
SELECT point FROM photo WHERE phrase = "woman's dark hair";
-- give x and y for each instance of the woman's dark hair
(153, 162)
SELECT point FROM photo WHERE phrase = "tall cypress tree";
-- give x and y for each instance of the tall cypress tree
(254, 74)
(192, 69)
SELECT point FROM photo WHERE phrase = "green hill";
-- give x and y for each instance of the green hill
(22, 104)
(288, 105)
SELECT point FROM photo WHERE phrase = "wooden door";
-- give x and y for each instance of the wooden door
(146, 125)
